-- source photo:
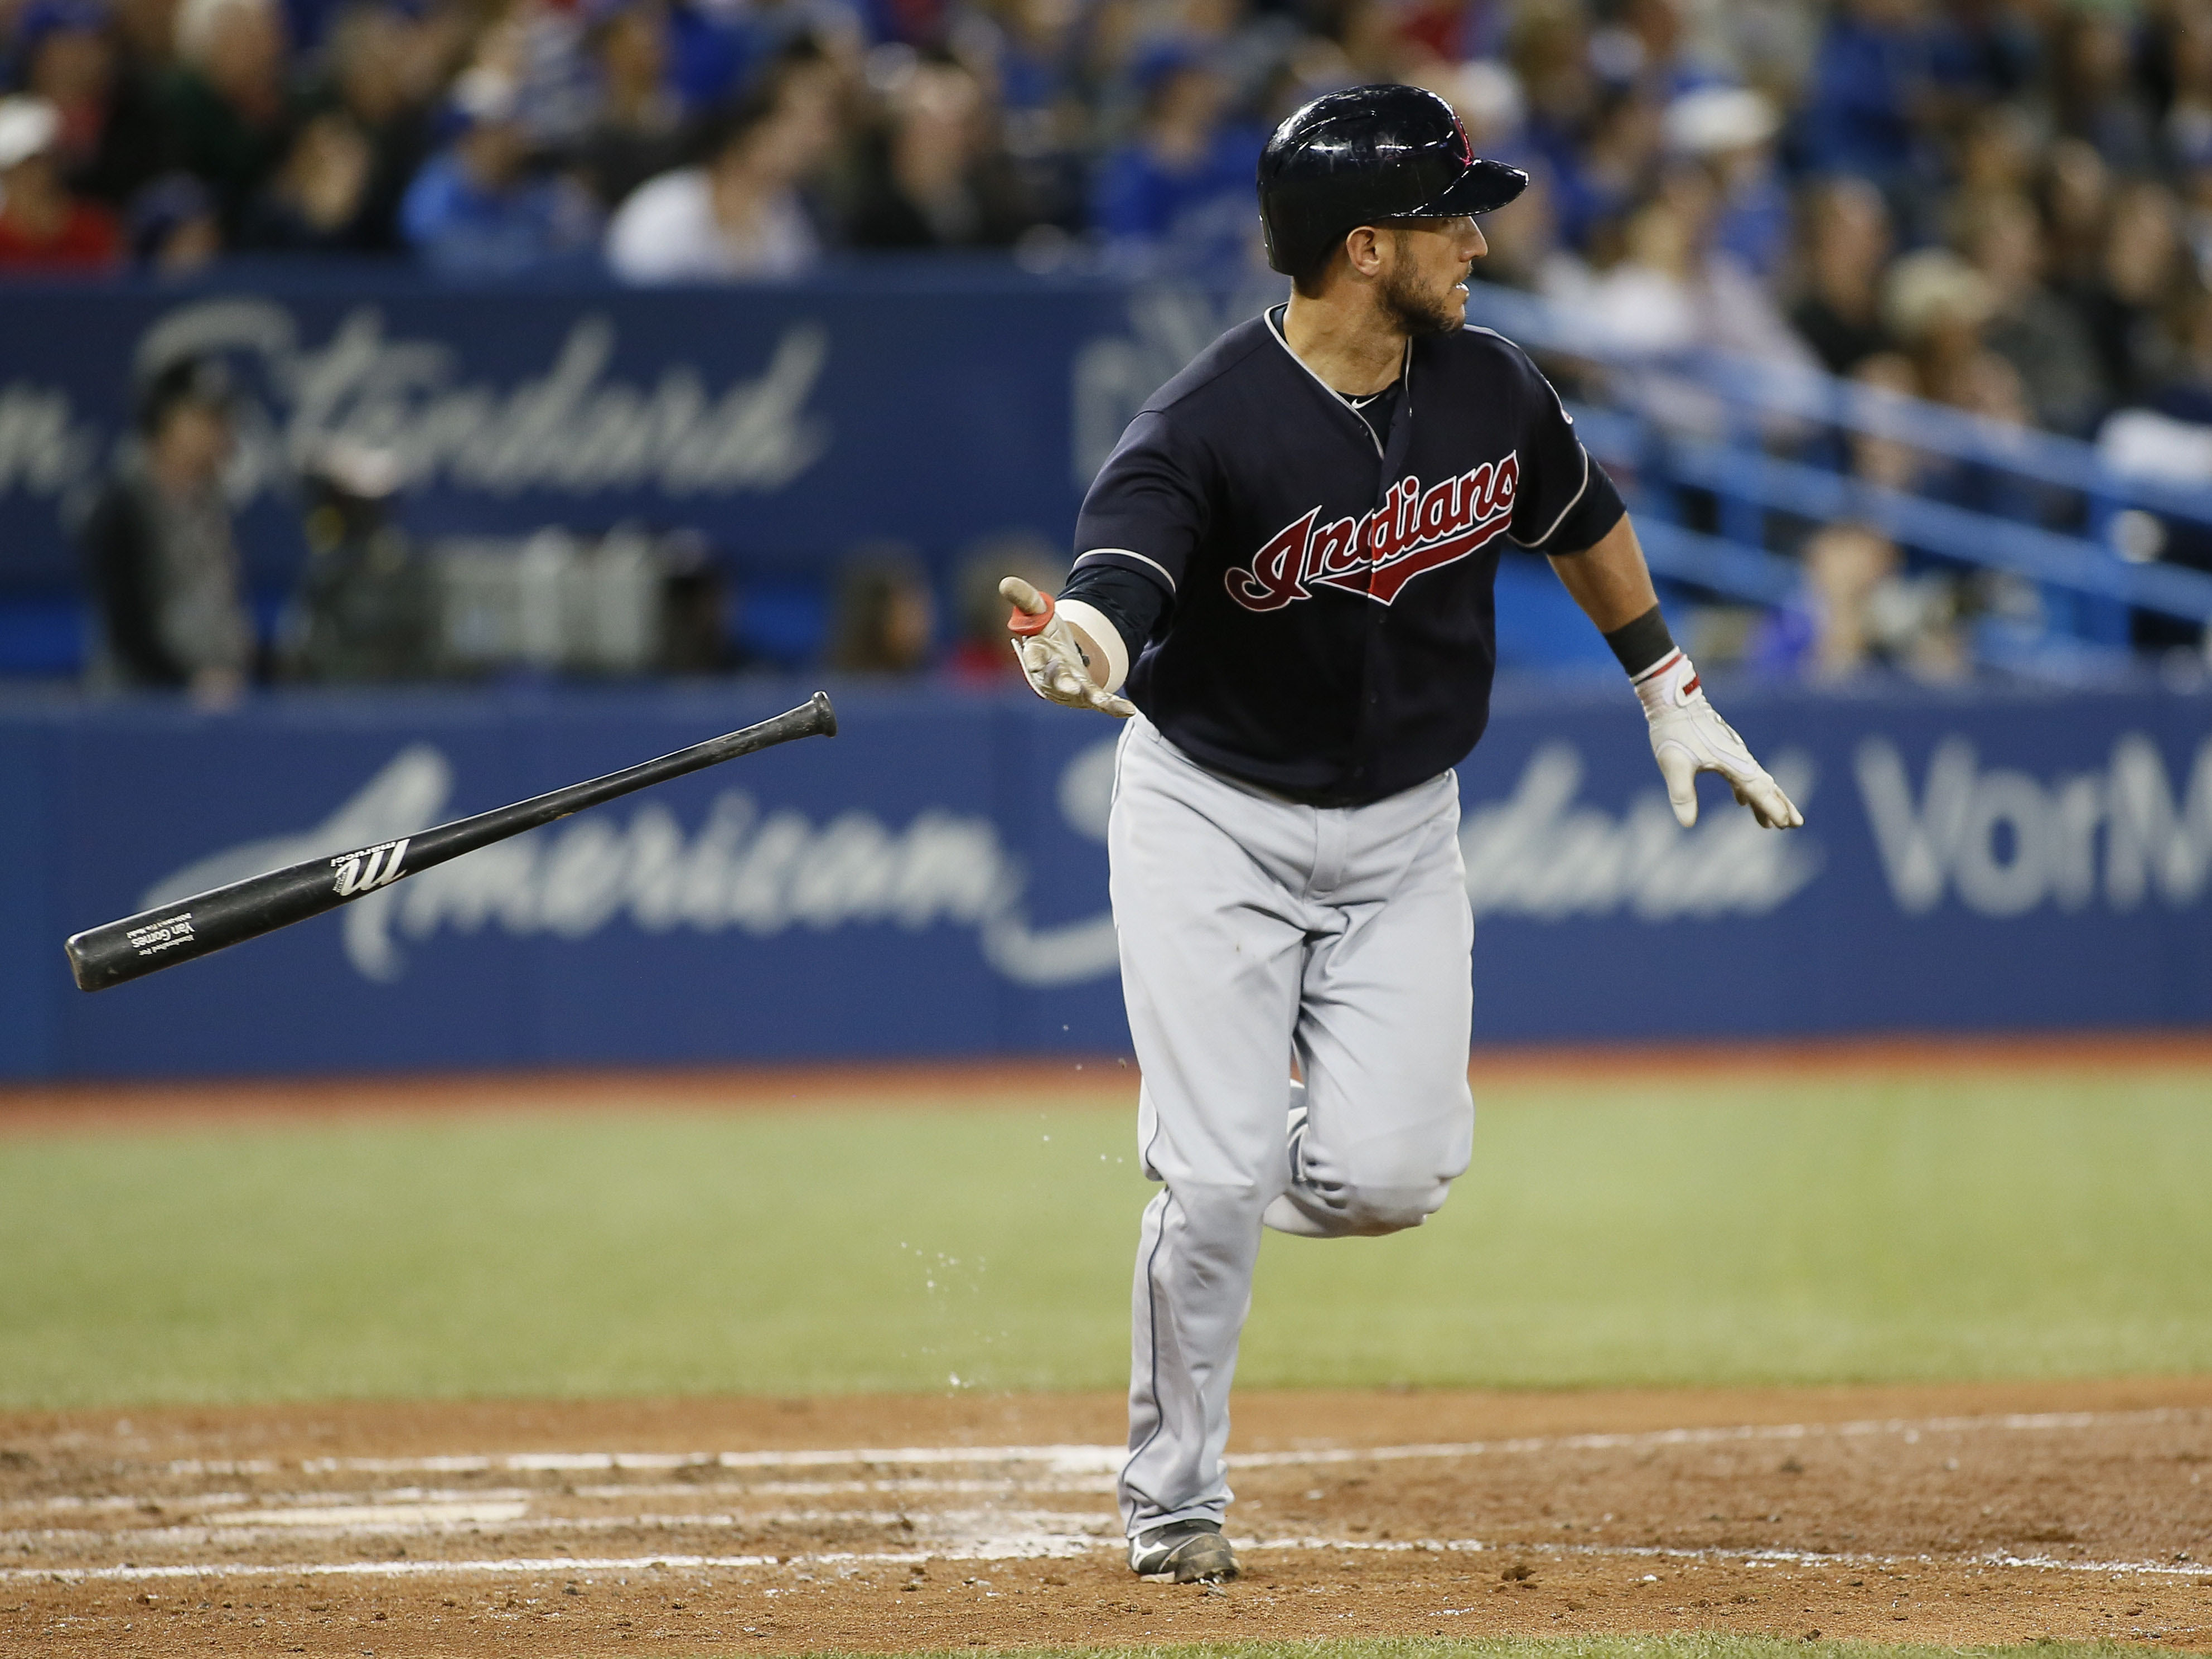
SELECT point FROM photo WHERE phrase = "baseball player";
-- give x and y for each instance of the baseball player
(1285, 586)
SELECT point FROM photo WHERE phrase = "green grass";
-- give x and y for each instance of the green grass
(2037, 1224)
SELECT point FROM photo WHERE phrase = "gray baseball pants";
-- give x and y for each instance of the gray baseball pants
(1255, 932)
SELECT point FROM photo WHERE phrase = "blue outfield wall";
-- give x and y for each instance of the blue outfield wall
(933, 881)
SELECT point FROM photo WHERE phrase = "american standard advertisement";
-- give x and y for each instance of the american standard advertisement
(1970, 862)
(776, 421)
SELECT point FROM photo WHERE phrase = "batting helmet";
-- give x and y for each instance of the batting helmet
(1364, 156)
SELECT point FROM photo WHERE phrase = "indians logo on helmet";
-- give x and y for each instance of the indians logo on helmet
(1413, 531)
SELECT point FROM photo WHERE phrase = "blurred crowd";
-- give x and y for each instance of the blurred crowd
(2002, 205)
(2006, 204)
(672, 139)
(2006, 209)
(1750, 170)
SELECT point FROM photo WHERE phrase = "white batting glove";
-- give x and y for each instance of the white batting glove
(1049, 656)
(1688, 737)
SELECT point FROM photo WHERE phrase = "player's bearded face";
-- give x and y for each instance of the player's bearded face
(1424, 289)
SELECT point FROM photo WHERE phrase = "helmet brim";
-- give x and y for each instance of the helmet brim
(1485, 187)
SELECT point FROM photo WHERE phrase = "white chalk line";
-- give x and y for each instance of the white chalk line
(193, 1502)
(421, 1521)
(1077, 1460)
(1909, 1429)
(1067, 1468)
(1098, 1485)
(1014, 1549)
(1068, 1459)
(1753, 1558)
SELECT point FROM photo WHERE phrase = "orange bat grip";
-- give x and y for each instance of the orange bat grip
(1024, 624)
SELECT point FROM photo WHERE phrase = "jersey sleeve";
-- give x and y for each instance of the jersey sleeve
(1566, 504)
(1147, 510)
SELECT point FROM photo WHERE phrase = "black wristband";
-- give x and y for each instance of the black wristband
(1642, 642)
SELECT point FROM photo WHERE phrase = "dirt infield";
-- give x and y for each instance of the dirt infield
(1950, 1515)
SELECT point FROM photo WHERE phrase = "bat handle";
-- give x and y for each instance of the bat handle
(1024, 623)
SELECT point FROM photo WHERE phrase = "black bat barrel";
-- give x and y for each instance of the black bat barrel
(195, 926)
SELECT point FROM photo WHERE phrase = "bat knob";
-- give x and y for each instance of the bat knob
(83, 968)
(825, 717)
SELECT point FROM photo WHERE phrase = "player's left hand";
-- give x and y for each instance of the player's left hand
(1688, 737)
(1049, 655)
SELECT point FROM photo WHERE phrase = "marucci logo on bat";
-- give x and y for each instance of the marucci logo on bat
(372, 867)
(1412, 531)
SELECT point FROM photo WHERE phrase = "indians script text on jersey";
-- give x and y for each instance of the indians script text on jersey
(1415, 530)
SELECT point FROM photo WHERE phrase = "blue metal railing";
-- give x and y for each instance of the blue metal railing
(1749, 482)
(1997, 543)
(1714, 562)
(1779, 389)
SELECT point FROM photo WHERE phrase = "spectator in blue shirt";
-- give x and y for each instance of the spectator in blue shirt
(1599, 180)
(1870, 88)
(720, 50)
(1181, 189)
(478, 209)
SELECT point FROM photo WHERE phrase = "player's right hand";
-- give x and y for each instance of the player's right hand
(1051, 660)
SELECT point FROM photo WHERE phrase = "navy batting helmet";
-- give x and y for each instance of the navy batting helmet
(1364, 156)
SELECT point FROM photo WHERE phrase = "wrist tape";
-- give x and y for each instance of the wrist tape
(1106, 637)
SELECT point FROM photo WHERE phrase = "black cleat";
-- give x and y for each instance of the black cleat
(1187, 1552)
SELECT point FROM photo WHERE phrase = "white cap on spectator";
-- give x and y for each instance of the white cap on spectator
(1933, 287)
(1715, 119)
(28, 125)
(360, 470)
(1487, 95)
(197, 20)
(484, 94)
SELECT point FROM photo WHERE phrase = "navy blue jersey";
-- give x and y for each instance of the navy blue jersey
(1321, 620)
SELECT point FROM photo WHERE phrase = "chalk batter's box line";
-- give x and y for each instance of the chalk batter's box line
(1095, 1460)
(123, 1503)
(569, 1566)
(451, 1518)
(1084, 1459)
